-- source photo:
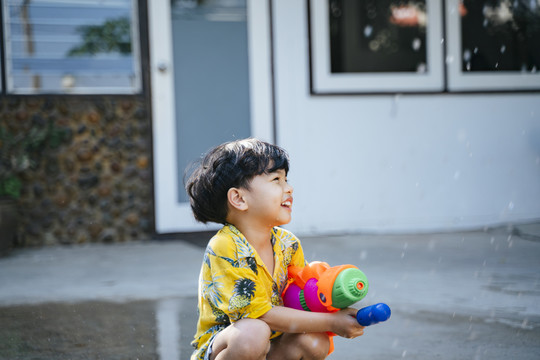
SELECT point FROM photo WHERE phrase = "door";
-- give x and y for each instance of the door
(210, 79)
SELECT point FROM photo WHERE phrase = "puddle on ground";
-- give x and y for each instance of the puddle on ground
(98, 330)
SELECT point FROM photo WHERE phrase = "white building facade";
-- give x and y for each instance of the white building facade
(439, 148)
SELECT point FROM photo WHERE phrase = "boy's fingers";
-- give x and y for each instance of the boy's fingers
(350, 311)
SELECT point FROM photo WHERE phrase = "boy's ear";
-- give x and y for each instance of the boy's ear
(236, 199)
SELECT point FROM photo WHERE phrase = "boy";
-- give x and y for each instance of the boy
(243, 185)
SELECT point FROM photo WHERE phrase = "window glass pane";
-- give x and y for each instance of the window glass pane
(378, 36)
(71, 46)
(499, 35)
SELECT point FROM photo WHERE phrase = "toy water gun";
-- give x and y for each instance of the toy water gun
(318, 287)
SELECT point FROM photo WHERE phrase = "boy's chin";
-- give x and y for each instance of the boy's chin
(284, 221)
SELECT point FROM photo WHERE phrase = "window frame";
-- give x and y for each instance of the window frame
(324, 82)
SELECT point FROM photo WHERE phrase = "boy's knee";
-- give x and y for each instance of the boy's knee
(252, 336)
(314, 345)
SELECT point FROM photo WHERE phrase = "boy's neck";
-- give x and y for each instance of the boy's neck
(261, 240)
(258, 236)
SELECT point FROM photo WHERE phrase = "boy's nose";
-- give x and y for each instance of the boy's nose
(289, 189)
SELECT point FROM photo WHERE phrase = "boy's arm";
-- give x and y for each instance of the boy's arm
(288, 320)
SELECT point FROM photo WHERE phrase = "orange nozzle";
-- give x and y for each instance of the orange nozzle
(326, 284)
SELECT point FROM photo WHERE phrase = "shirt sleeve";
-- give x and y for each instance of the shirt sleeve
(297, 258)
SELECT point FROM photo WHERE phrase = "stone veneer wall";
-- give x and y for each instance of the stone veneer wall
(97, 186)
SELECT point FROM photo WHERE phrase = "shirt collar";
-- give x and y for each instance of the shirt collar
(244, 249)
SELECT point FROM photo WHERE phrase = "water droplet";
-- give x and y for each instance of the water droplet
(503, 49)
(510, 206)
(363, 255)
(467, 55)
(449, 59)
(416, 44)
(368, 30)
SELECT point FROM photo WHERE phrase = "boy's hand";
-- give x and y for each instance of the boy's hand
(346, 325)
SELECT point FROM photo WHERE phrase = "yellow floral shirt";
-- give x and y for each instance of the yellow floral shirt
(234, 283)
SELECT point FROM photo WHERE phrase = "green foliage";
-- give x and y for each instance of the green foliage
(113, 35)
(21, 151)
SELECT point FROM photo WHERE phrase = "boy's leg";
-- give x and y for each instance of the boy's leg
(245, 339)
(308, 346)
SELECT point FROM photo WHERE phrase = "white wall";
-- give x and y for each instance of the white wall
(401, 163)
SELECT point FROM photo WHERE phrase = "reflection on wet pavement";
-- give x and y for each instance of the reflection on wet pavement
(98, 330)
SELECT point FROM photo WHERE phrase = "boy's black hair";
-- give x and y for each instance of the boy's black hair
(230, 165)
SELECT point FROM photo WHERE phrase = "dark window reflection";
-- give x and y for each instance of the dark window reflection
(500, 35)
(378, 36)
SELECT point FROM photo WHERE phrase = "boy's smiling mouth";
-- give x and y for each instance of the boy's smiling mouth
(287, 203)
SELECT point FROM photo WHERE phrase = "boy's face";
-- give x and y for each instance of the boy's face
(269, 198)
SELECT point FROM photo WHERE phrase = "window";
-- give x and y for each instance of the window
(71, 46)
(376, 46)
(493, 45)
(397, 46)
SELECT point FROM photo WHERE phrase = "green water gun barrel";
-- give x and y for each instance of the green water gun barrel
(351, 286)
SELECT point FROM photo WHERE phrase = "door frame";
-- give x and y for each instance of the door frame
(171, 216)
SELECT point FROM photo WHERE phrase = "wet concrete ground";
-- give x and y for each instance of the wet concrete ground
(471, 295)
